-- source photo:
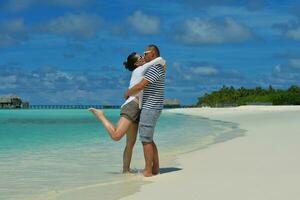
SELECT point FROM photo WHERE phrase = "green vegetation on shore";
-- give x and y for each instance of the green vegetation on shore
(229, 96)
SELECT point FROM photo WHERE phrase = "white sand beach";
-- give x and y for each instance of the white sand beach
(262, 165)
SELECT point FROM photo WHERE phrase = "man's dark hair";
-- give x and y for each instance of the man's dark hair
(155, 49)
(131, 60)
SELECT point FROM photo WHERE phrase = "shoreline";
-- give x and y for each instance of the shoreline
(132, 183)
(261, 165)
(126, 185)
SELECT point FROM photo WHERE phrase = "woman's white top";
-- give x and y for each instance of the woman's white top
(138, 75)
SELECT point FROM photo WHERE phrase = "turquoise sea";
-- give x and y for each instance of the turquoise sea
(54, 152)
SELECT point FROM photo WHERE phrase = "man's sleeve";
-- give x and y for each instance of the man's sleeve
(153, 73)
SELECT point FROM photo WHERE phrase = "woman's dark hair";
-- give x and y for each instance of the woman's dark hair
(131, 60)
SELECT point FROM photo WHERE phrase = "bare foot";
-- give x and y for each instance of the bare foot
(126, 172)
(97, 113)
(155, 171)
(147, 174)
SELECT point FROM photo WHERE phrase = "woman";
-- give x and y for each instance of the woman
(130, 110)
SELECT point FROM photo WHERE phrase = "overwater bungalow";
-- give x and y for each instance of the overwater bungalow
(12, 101)
(171, 103)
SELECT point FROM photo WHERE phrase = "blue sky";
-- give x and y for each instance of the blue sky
(71, 51)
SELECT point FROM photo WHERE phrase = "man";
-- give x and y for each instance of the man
(152, 103)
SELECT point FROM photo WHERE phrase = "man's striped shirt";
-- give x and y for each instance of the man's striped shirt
(153, 95)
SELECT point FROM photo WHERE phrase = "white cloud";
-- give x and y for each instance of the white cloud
(144, 24)
(201, 31)
(205, 70)
(58, 75)
(282, 75)
(50, 85)
(197, 74)
(81, 26)
(262, 19)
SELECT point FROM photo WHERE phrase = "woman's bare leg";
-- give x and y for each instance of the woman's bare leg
(130, 141)
(116, 133)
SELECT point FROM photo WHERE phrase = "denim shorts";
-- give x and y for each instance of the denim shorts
(148, 119)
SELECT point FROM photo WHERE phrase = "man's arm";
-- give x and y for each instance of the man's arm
(135, 89)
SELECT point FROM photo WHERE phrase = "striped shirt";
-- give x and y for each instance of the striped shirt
(153, 96)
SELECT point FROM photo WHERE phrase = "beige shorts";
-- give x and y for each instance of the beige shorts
(131, 111)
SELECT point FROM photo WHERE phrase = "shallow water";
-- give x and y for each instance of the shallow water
(53, 151)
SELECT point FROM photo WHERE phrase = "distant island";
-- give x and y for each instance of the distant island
(229, 96)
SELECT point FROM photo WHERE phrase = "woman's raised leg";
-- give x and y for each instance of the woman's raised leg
(116, 133)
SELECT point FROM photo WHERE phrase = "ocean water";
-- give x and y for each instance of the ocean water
(50, 154)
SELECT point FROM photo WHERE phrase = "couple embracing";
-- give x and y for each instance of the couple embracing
(142, 108)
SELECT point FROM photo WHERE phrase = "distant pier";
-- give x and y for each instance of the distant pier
(15, 102)
(73, 106)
